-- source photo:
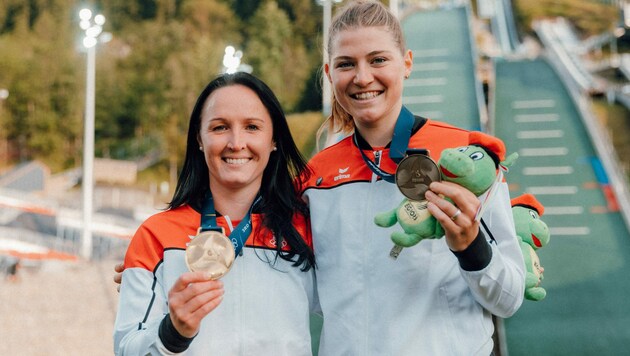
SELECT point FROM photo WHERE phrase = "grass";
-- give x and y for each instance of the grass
(304, 127)
(615, 118)
(589, 17)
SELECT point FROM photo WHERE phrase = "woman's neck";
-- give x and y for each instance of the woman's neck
(379, 133)
(234, 203)
(376, 137)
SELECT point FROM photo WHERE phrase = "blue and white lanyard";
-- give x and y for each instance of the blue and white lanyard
(398, 147)
(239, 235)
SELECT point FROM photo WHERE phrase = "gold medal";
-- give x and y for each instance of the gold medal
(211, 252)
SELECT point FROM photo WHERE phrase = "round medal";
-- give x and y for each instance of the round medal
(211, 252)
(414, 174)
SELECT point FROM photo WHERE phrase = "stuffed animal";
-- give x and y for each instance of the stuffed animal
(533, 234)
(474, 167)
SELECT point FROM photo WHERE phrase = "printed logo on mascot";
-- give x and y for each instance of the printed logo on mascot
(411, 211)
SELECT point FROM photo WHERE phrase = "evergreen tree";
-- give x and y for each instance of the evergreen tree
(275, 54)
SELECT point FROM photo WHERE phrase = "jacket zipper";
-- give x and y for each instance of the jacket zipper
(377, 161)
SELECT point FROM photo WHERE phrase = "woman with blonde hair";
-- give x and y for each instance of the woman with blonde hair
(438, 297)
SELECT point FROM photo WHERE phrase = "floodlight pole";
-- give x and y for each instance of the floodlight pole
(93, 28)
(393, 7)
(88, 153)
(326, 88)
(4, 144)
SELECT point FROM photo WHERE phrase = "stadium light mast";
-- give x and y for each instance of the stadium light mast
(4, 145)
(232, 61)
(93, 28)
(326, 89)
(393, 7)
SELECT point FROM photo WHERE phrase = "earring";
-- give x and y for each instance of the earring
(201, 148)
(406, 76)
(274, 148)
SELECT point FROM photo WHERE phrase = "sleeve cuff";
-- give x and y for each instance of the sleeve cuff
(171, 338)
(476, 256)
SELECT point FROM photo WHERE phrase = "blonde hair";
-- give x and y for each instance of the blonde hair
(356, 14)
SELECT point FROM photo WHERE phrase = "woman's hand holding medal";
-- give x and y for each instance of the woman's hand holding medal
(457, 218)
(193, 296)
(209, 256)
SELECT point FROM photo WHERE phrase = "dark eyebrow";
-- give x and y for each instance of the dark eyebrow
(255, 119)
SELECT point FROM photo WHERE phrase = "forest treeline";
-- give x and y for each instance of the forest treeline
(161, 55)
(148, 76)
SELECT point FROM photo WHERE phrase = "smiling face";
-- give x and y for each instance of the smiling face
(367, 69)
(237, 138)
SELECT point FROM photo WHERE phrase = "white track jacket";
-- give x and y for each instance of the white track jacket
(423, 303)
(265, 308)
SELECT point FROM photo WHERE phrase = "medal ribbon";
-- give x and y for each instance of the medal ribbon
(486, 201)
(241, 232)
(398, 147)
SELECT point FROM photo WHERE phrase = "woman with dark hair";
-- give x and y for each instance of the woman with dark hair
(238, 178)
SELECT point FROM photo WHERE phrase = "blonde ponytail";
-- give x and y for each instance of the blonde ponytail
(337, 125)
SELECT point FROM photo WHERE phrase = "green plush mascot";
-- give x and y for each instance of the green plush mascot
(474, 167)
(533, 234)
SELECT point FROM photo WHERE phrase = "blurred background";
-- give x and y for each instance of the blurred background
(95, 103)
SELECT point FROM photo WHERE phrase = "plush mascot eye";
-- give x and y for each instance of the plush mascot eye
(476, 156)
(533, 214)
(462, 149)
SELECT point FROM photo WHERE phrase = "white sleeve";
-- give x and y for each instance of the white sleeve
(500, 286)
(141, 308)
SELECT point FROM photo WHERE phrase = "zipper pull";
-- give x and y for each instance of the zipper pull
(377, 157)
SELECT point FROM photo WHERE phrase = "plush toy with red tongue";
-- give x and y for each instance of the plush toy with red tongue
(474, 166)
(533, 234)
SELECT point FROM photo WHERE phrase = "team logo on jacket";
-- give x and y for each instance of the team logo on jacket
(342, 174)
(273, 242)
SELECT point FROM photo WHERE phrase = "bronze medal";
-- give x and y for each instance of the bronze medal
(211, 252)
(414, 174)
